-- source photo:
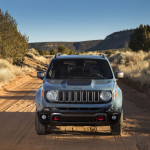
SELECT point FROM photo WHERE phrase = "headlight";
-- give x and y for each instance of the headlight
(52, 95)
(105, 96)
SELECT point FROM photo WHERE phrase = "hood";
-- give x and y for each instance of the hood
(51, 84)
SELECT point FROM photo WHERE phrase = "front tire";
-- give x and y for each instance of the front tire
(39, 127)
(116, 129)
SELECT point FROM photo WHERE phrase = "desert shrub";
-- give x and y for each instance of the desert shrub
(82, 52)
(33, 51)
(47, 53)
(72, 53)
(108, 52)
(136, 66)
(147, 56)
(9, 71)
(38, 58)
(78, 53)
(63, 50)
(53, 51)
(42, 52)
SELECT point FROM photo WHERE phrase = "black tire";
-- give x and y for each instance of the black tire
(39, 127)
(116, 129)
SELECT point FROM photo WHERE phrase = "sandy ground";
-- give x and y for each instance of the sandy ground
(17, 132)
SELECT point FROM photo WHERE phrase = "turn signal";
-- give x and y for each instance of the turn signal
(42, 93)
(115, 94)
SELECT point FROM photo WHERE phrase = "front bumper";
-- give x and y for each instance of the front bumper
(78, 117)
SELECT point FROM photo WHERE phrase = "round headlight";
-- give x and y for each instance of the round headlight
(105, 95)
(51, 95)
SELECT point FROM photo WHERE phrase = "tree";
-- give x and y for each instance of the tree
(140, 39)
(12, 43)
(63, 50)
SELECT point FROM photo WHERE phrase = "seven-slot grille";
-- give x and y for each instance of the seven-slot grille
(79, 96)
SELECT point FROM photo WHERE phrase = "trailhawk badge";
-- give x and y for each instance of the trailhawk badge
(77, 88)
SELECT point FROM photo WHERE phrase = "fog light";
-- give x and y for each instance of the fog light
(44, 117)
(114, 117)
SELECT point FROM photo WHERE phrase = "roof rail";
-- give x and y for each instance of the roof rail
(58, 54)
(102, 55)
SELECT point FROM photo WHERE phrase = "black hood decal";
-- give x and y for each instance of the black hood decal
(79, 81)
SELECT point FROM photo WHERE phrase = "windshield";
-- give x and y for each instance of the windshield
(79, 69)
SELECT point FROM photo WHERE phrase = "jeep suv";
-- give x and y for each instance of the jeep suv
(79, 90)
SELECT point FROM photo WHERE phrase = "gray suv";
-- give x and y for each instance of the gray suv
(79, 90)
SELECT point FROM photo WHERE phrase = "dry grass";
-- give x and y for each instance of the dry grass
(136, 66)
(35, 55)
(9, 71)
(32, 61)
(90, 53)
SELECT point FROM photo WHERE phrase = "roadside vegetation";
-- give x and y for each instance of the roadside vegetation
(9, 71)
(62, 50)
(32, 62)
(140, 39)
(35, 55)
(136, 66)
(13, 44)
(14, 50)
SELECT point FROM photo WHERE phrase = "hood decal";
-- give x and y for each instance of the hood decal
(81, 82)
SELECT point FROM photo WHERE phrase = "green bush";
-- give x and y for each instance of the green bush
(42, 52)
(47, 53)
(63, 50)
(53, 51)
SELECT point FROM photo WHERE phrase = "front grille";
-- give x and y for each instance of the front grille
(79, 97)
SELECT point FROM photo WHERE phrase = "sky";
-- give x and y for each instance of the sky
(75, 20)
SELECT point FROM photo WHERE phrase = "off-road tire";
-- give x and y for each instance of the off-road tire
(116, 129)
(39, 127)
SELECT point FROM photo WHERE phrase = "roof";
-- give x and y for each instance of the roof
(80, 57)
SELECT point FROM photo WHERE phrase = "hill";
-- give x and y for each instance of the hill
(113, 41)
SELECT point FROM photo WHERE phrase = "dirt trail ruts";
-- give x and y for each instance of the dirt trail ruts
(17, 108)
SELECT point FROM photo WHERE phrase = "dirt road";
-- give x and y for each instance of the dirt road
(17, 107)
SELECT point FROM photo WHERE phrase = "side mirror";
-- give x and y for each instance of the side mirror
(40, 74)
(119, 74)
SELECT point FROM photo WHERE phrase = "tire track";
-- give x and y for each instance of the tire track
(7, 104)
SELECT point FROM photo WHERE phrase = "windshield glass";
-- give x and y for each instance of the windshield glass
(79, 69)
